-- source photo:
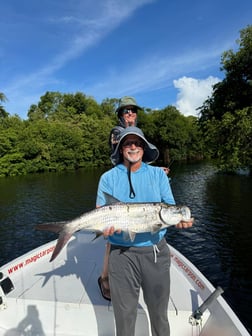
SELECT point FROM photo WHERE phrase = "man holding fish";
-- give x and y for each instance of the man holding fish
(127, 116)
(142, 261)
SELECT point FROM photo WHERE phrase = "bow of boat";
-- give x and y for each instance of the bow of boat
(63, 297)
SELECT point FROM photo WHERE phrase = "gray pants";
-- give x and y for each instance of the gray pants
(135, 267)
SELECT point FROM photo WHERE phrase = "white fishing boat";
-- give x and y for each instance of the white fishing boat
(38, 297)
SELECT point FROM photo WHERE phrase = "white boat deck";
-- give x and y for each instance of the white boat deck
(63, 297)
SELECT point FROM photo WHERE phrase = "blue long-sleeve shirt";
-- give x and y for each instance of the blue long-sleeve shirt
(150, 184)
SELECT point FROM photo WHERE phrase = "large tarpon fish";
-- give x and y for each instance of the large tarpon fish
(131, 218)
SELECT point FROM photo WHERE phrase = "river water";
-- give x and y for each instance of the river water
(219, 243)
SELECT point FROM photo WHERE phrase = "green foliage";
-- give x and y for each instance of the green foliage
(234, 92)
(70, 131)
(57, 106)
(175, 135)
(225, 118)
(236, 148)
(50, 142)
(109, 106)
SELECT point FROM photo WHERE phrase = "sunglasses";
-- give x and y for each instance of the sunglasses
(137, 143)
(127, 110)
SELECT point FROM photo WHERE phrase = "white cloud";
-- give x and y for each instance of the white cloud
(192, 93)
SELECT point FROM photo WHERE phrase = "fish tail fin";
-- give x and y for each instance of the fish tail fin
(61, 242)
(64, 236)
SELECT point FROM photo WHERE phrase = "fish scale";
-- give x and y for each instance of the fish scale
(137, 218)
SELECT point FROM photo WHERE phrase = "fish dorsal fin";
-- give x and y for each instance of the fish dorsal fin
(110, 199)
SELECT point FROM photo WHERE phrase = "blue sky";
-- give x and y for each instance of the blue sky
(162, 52)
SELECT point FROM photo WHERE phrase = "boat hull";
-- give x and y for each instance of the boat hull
(63, 297)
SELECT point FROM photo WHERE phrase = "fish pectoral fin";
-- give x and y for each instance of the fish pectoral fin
(129, 235)
(156, 227)
(132, 235)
